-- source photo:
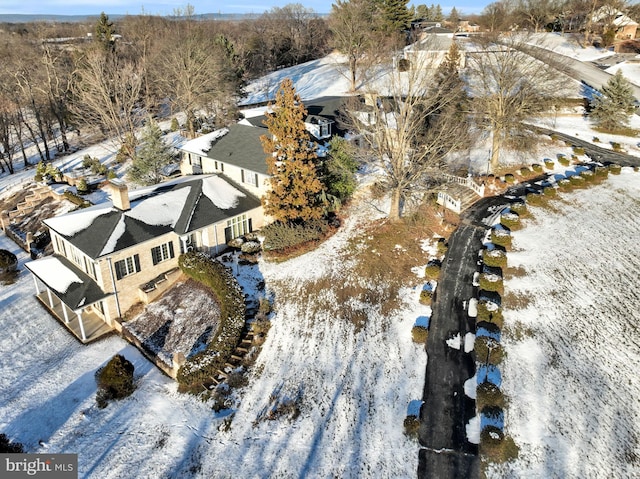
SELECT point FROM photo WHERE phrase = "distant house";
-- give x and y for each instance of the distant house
(431, 50)
(608, 17)
(110, 256)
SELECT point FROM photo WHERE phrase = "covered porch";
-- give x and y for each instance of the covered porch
(86, 324)
(70, 296)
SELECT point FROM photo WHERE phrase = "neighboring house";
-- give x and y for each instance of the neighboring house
(109, 257)
(430, 51)
(607, 16)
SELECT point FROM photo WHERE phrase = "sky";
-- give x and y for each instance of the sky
(168, 7)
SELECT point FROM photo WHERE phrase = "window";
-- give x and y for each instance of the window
(127, 266)
(325, 129)
(195, 160)
(249, 178)
(237, 226)
(162, 253)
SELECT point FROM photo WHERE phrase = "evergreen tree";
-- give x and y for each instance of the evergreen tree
(437, 14)
(152, 156)
(396, 16)
(612, 109)
(104, 31)
(294, 194)
(338, 170)
(454, 16)
(422, 12)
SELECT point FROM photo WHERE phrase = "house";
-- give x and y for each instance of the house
(609, 17)
(430, 51)
(111, 256)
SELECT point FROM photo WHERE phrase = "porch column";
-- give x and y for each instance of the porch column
(50, 298)
(215, 233)
(66, 315)
(35, 280)
(84, 336)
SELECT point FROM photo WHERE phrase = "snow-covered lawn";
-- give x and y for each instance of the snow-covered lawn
(573, 352)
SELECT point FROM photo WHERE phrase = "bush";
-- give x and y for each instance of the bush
(578, 150)
(280, 236)
(616, 146)
(442, 246)
(524, 171)
(588, 176)
(425, 296)
(615, 168)
(488, 350)
(501, 237)
(200, 367)
(114, 380)
(549, 165)
(82, 186)
(576, 181)
(518, 207)
(495, 258)
(510, 220)
(488, 394)
(490, 314)
(411, 426)
(596, 139)
(563, 160)
(404, 65)
(111, 174)
(250, 247)
(601, 171)
(491, 435)
(549, 191)
(534, 198)
(537, 168)
(509, 178)
(175, 126)
(419, 334)
(9, 447)
(76, 200)
(564, 184)
(491, 282)
(432, 270)
(8, 262)
(554, 137)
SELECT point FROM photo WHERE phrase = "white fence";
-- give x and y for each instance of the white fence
(468, 182)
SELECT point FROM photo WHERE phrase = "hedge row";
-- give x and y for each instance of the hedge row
(200, 367)
(282, 236)
(76, 200)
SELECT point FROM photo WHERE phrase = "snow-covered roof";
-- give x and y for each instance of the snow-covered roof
(202, 144)
(180, 206)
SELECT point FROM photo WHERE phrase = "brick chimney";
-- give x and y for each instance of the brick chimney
(120, 195)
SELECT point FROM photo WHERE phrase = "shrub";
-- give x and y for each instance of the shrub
(588, 176)
(549, 164)
(425, 296)
(280, 236)
(596, 139)
(491, 435)
(111, 174)
(576, 181)
(549, 191)
(564, 184)
(76, 200)
(616, 146)
(601, 171)
(615, 168)
(491, 282)
(534, 198)
(8, 262)
(518, 207)
(82, 186)
(488, 350)
(510, 219)
(9, 447)
(501, 237)
(488, 394)
(554, 137)
(524, 171)
(537, 168)
(175, 126)
(404, 65)
(442, 246)
(563, 160)
(432, 270)
(200, 367)
(495, 258)
(114, 380)
(509, 178)
(490, 313)
(419, 334)
(578, 150)
(411, 426)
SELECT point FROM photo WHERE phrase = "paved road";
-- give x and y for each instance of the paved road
(446, 452)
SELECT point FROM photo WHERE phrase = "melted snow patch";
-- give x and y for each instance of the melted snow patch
(163, 209)
(54, 273)
(469, 340)
(471, 387)
(221, 193)
(454, 342)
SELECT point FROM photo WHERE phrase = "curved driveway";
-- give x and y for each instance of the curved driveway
(445, 451)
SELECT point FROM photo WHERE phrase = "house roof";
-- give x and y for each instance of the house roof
(72, 285)
(180, 206)
(238, 145)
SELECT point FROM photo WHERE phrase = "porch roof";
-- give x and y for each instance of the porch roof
(73, 286)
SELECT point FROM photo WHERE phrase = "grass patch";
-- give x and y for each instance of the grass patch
(624, 131)
(497, 450)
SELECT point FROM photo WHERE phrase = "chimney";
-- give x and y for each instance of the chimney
(120, 195)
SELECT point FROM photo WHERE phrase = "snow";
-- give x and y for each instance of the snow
(202, 144)
(570, 374)
(630, 70)
(221, 193)
(566, 44)
(469, 341)
(75, 222)
(473, 430)
(471, 387)
(116, 234)
(163, 209)
(54, 273)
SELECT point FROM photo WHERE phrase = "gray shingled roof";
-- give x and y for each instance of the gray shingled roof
(241, 147)
(109, 229)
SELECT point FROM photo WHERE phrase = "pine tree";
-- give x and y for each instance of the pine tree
(437, 14)
(612, 109)
(294, 194)
(153, 155)
(104, 31)
(454, 16)
(396, 17)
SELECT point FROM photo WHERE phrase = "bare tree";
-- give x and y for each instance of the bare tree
(536, 14)
(107, 91)
(351, 22)
(509, 86)
(409, 128)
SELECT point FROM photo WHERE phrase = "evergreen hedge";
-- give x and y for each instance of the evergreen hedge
(615, 168)
(200, 368)
(501, 237)
(114, 380)
(510, 219)
(279, 236)
(495, 258)
(76, 200)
